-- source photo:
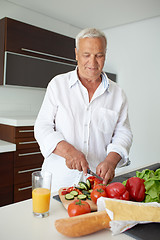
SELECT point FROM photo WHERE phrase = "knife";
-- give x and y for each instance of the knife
(94, 174)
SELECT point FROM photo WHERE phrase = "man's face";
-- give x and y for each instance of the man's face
(90, 57)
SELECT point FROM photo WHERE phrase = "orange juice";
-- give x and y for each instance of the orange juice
(41, 200)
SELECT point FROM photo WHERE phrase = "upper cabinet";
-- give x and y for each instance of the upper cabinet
(31, 56)
(27, 39)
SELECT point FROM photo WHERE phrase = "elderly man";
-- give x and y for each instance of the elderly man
(83, 122)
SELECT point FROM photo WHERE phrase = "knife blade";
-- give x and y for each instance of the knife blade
(94, 174)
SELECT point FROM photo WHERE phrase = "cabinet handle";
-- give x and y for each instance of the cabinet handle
(25, 131)
(27, 154)
(47, 54)
(28, 142)
(25, 188)
(29, 170)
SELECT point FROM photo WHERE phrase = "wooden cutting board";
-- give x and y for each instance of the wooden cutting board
(67, 202)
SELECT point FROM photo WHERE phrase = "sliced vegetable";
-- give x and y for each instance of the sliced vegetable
(82, 197)
(78, 207)
(83, 185)
(89, 197)
(69, 196)
(74, 193)
(64, 192)
(79, 190)
(136, 189)
(85, 192)
(90, 190)
(94, 181)
(117, 190)
(88, 183)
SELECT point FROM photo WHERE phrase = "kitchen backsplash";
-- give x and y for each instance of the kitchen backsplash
(20, 99)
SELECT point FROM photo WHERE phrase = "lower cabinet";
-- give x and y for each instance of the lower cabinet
(6, 178)
(17, 167)
(26, 161)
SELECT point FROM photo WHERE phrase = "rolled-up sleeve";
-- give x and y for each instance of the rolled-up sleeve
(44, 128)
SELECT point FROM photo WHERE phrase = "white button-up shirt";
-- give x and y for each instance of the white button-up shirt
(95, 128)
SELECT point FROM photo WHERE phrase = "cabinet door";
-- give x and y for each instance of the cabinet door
(33, 56)
(2, 49)
(23, 70)
(6, 178)
(22, 36)
(6, 195)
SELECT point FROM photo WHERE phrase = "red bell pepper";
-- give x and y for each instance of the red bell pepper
(94, 181)
(117, 190)
(136, 189)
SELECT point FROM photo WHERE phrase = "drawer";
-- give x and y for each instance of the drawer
(28, 157)
(22, 191)
(11, 133)
(24, 132)
(24, 174)
(24, 143)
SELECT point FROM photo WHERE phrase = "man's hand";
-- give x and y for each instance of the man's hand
(106, 169)
(74, 159)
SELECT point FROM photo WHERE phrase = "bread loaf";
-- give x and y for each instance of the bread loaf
(83, 224)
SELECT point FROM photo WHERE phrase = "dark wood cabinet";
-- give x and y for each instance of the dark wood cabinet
(31, 56)
(25, 160)
(31, 40)
(6, 178)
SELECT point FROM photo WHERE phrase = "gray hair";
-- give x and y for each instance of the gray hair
(90, 33)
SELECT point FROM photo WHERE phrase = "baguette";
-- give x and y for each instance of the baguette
(83, 224)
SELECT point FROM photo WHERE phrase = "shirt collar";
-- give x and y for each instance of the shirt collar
(74, 78)
(105, 81)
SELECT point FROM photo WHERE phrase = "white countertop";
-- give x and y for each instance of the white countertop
(7, 147)
(18, 119)
(17, 222)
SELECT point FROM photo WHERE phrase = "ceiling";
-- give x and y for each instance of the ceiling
(101, 14)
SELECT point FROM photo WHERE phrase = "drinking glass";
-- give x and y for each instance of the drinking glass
(41, 192)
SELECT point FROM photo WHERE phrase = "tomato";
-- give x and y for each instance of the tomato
(97, 181)
(78, 207)
(94, 181)
(99, 186)
(97, 193)
(117, 190)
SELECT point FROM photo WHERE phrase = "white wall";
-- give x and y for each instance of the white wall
(134, 54)
(8, 9)
(27, 99)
